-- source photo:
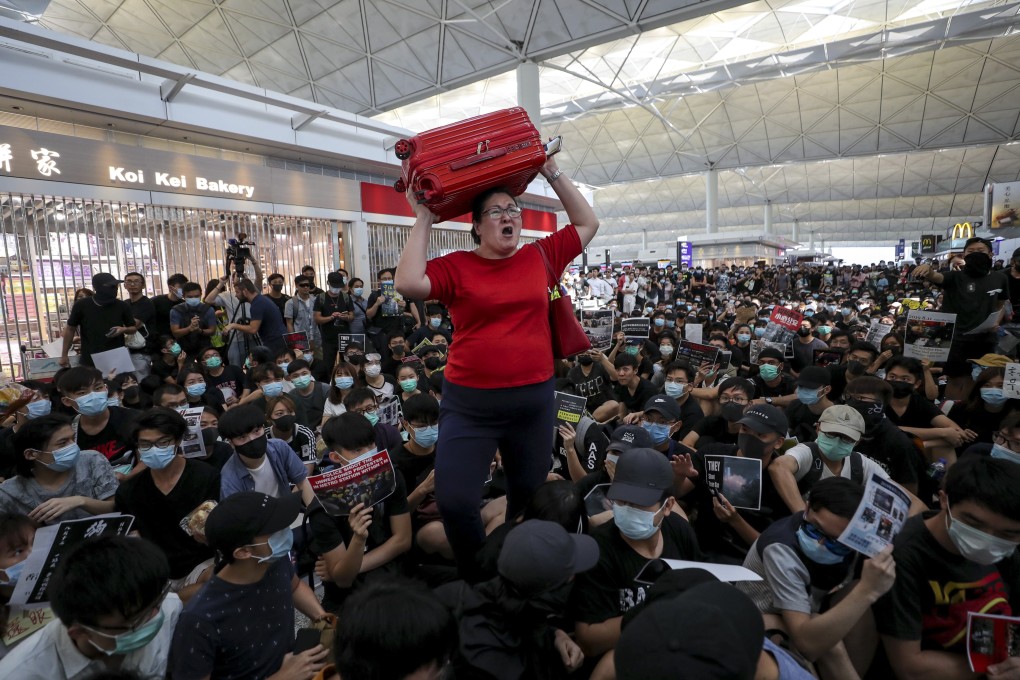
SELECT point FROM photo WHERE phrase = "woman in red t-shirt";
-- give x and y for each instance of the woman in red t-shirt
(498, 299)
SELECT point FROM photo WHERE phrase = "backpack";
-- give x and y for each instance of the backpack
(805, 483)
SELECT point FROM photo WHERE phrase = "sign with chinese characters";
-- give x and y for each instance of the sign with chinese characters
(685, 253)
(1005, 197)
(31, 154)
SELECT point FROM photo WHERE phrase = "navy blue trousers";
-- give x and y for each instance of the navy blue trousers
(473, 423)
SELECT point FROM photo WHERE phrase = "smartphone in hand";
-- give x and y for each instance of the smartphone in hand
(306, 639)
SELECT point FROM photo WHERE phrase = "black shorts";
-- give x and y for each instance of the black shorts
(966, 349)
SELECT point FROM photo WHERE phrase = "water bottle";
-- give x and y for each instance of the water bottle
(937, 470)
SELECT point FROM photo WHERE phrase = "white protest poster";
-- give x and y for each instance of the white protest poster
(389, 410)
(636, 329)
(929, 335)
(193, 445)
(1011, 381)
(879, 517)
(877, 331)
(598, 326)
(49, 547)
(694, 332)
(113, 362)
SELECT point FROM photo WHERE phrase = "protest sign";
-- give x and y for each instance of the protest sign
(636, 330)
(758, 345)
(827, 357)
(697, 354)
(297, 343)
(877, 331)
(595, 503)
(879, 517)
(345, 339)
(24, 623)
(782, 326)
(1011, 381)
(929, 335)
(694, 332)
(393, 302)
(389, 410)
(193, 445)
(368, 480)
(569, 408)
(736, 478)
(598, 326)
(49, 547)
(991, 639)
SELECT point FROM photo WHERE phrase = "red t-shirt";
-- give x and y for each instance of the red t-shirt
(500, 311)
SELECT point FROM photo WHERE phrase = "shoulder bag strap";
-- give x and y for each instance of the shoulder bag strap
(548, 266)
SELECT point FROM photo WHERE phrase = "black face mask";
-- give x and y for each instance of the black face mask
(978, 264)
(397, 351)
(285, 423)
(732, 412)
(277, 287)
(803, 332)
(209, 437)
(585, 360)
(901, 389)
(106, 295)
(751, 446)
(873, 413)
(256, 448)
(432, 363)
(854, 367)
(131, 393)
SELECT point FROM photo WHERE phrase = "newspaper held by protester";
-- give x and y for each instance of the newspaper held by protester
(879, 517)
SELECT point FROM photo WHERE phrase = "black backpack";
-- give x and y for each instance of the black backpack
(805, 483)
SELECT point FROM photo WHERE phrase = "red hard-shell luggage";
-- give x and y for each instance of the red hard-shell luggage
(450, 165)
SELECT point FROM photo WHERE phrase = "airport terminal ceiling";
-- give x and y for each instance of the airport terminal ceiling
(860, 121)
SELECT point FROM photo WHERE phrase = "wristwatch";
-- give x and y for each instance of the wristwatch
(768, 400)
(555, 176)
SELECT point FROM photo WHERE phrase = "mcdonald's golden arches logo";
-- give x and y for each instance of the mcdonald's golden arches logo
(963, 231)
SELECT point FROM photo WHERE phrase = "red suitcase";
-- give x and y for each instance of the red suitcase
(450, 165)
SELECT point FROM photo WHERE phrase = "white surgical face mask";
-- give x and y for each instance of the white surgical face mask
(976, 545)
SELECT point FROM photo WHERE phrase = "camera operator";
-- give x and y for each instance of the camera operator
(264, 320)
(333, 312)
(237, 309)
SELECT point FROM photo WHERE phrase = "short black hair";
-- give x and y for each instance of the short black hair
(192, 286)
(142, 277)
(296, 365)
(479, 202)
(356, 396)
(165, 390)
(347, 431)
(34, 435)
(274, 276)
(240, 420)
(743, 384)
(78, 378)
(987, 481)
(247, 285)
(838, 495)
(391, 628)
(107, 575)
(421, 407)
(557, 501)
(909, 364)
(165, 420)
(977, 239)
(864, 346)
(261, 355)
(626, 359)
(267, 371)
(870, 385)
(682, 366)
(177, 280)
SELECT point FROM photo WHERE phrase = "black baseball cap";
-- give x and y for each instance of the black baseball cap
(641, 477)
(813, 377)
(765, 418)
(538, 556)
(627, 437)
(667, 406)
(335, 279)
(772, 353)
(712, 631)
(239, 518)
(104, 279)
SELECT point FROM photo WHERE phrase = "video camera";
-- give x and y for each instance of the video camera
(238, 251)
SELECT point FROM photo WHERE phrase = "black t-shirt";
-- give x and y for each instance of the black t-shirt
(414, 469)
(311, 405)
(161, 305)
(636, 402)
(114, 440)
(609, 589)
(143, 310)
(972, 299)
(786, 386)
(161, 518)
(280, 302)
(231, 377)
(1014, 293)
(690, 415)
(330, 532)
(714, 429)
(326, 305)
(390, 316)
(802, 421)
(935, 589)
(163, 370)
(715, 537)
(919, 412)
(980, 420)
(596, 386)
(892, 448)
(94, 321)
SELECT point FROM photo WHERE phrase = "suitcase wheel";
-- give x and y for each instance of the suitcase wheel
(400, 186)
(402, 149)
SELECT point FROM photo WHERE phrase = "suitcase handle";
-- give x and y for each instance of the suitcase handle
(480, 158)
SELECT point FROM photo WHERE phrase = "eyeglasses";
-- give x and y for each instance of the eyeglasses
(304, 285)
(1003, 440)
(734, 400)
(164, 442)
(831, 544)
(365, 409)
(138, 620)
(846, 439)
(496, 213)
